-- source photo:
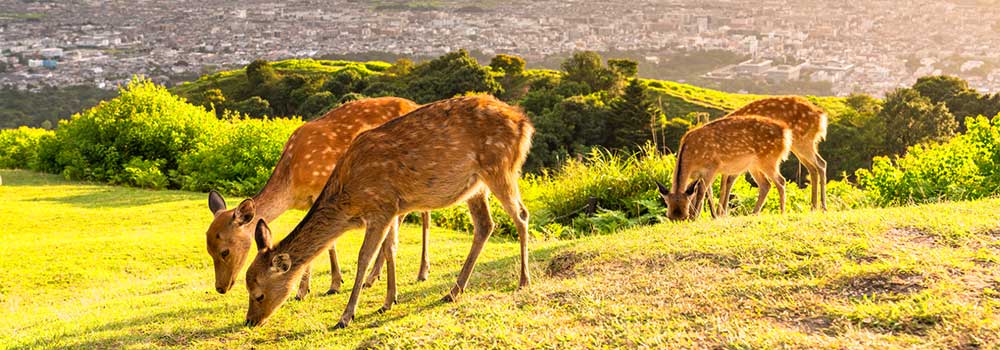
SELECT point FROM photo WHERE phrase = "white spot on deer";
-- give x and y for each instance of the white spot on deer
(316, 173)
(309, 155)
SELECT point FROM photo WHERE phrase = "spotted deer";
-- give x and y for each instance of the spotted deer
(443, 153)
(808, 124)
(308, 159)
(727, 146)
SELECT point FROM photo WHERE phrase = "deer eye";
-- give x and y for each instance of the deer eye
(224, 253)
(260, 299)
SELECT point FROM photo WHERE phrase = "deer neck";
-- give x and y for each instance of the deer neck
(314, 235)
(271, 203)
(681, 172)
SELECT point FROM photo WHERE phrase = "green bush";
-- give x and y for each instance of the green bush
(966, 167)
(238, 157)
(145, 125)
(19, 147)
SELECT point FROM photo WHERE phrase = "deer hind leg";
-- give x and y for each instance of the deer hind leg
(763, 187)
(389, 247)
(303, 285)
(507, 192)
(479, 212)
(425, 264)
(821, 170)
(336, 279)
(779, 183)
(807, 159)
(375, 232)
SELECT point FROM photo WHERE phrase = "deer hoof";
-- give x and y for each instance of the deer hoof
(340, 325)
(332, 292)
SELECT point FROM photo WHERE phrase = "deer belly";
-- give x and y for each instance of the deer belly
(737, 165)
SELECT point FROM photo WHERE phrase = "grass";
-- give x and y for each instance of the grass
(94, 266)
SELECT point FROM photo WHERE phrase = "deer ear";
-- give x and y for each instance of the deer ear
(281, 263)
(245, 212)
(262, 235)
(215, 202)
(692, 187)
(664, 190)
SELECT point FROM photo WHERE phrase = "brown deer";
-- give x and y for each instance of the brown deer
(727, 146)
(446, 152)
(305, 164)
(808, 123)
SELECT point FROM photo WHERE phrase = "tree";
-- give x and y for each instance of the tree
(260, 72)
(625, 68)
(586, 67)
(908, 118)
(954, 92)
(346, 81)
(632, 117)
(453, 74)
(940, 88)
(402, 67)
(214, 99)
(254, 106)
(508, 64)
(317, 104)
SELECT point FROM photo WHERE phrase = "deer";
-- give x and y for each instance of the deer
(808, 123)
(450, 151)
(727, 146)
(306, 162)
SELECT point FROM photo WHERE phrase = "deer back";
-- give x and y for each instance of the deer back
(807, 121)
(436, 155)
(313, 149)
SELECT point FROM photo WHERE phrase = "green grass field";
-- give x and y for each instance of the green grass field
(94, 266)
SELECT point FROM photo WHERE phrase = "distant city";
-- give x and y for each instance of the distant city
(865, 46)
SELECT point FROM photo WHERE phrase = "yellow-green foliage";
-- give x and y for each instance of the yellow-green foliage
(94, 266)
(966, 167)
(136, 138)
(19, 147)
(238, 156)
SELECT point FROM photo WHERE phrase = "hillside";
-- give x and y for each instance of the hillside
(678, 98)
(95, 266)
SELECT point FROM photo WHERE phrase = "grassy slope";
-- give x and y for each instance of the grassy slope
(93, 266)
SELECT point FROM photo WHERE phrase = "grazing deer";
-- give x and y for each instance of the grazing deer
(808, 123)
(305, 164)
(727, 146)
(446, 152)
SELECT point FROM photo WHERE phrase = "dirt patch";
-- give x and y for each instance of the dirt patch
(717, 259)
(564, 264)
(913, 235)
(882, 284)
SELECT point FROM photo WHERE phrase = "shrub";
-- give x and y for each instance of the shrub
(966, 167)
(19, 147)
(238, 157)
(144, 126)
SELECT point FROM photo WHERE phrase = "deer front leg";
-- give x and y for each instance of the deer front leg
(374, 234)
(425, 264)
(389, 252)
(303, 285)
(376, 270)
(336, 279)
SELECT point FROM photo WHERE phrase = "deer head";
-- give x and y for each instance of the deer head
(229, 239)
(679, 205)
(271, 280)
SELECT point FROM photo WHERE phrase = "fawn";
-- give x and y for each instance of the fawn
(443, 153)
(727, 146)
(305, 164)
(808, 124)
